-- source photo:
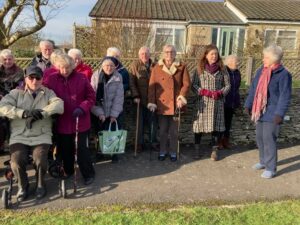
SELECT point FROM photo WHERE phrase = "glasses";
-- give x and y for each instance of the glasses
(32, 78)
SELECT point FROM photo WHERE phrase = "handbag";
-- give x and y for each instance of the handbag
(112, 142)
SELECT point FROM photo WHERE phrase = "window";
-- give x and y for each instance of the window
(284, 38)
(171, 36)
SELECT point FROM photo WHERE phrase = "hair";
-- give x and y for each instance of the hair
(203, 60)
(47, 42)
(75, 51)
(65, 60)
(108, 60)
(113, 51)
(54, 56)
(275, 52)
(144, 48)
(169, 46)
(5, 53)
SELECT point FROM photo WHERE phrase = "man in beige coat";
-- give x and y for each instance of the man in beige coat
(30, 110)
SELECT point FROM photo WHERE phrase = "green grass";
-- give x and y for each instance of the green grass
(276, 213)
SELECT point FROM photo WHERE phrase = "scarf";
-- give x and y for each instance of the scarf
(212, 68)
(261, 93)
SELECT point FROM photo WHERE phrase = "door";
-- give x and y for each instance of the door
(227, 41)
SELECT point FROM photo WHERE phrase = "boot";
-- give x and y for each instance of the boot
(226, 143)
(197, 153)
(214, 153)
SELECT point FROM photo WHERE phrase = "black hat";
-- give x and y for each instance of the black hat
(33, 70)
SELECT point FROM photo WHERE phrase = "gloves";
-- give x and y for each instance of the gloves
(205, 92)
(78, 112)
(29, 121)
(217, 95)
(277, 119)
(26, 114)
(37, 114)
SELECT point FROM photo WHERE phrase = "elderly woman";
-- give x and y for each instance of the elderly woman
(11, 76)
(232, 99)
(168, 86)
(211, 84)
(80, 66)
(267, 102)
(78, 96)
(29, 111)
(109, 96)
(53, 68)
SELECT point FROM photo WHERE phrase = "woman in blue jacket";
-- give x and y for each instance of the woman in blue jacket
(267, 102)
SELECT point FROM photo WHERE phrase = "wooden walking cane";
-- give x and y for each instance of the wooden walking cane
(137, 128)
(75, 156)
(178, 139)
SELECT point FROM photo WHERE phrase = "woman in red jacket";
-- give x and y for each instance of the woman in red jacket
(78, 96)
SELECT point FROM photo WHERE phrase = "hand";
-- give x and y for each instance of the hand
(29, 121)
(179, 104)
(37, 114)
(78, 112)
(26, 114)
(217, 95)
(152, 108)
(136, 100)
(205, 92)
(247, 111)
(113, 119)
(102, 118)
(277, 119)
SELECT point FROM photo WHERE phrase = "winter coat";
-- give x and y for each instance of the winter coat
(75, 91)
(10, 79)
(85, 69)
(41, 62)
(113, 99)
(279, 93)
(209, 114)
(13, 105)
(139, 76)
(168, 85)
(232, 99)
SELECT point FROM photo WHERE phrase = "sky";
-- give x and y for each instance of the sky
(60, 27)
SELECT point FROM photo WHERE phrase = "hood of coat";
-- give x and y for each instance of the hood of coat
(173, 69)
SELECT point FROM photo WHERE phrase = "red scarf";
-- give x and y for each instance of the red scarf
(261, 94)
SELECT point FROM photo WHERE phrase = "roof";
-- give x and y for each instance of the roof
(279, 10)
(179, 10)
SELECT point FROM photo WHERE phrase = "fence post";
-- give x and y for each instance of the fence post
(249, 70)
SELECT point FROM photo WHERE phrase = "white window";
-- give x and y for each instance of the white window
(287, 39)
(173, 36)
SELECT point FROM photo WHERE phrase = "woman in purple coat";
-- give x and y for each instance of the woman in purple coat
(78, 95)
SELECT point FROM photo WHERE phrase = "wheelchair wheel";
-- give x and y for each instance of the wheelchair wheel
(63, 191)
(5, 199)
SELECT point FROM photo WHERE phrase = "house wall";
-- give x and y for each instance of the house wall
(197, 38)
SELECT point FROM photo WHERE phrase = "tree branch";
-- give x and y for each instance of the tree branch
(16, 11)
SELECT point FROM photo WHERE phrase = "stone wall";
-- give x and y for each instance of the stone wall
(243, 130)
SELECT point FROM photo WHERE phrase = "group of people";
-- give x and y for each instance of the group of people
(60, 87)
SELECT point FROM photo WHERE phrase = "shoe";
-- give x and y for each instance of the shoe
(114, 159)
(40, 193)
(162, 156)
(197, 154)
(268, 174)
(173, 157)
(89, 180)
(258, 166)
(214, 154)
(22, 193)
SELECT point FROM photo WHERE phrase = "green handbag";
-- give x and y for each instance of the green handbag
(112, 142)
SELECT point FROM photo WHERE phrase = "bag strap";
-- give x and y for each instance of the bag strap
(109, 127)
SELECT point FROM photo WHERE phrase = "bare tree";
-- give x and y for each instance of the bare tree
(21, 18)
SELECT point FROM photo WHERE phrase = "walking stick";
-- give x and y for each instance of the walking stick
(151, 134)
(178, 139)
(137, 128)
(75, 156)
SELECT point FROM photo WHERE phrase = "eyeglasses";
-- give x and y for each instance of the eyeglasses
(32, 78)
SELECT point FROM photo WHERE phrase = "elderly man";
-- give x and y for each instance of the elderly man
(139, 74)
(42, 60)
(80, 66)
(168, 86)
(30, 110)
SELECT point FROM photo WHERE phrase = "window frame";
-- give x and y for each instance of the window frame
(277, 35)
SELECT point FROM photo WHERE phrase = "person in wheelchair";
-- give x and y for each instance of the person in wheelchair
(29, 110)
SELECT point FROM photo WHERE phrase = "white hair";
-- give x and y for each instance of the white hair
(169, 46)
(275, 52)
(75, 51)
(144, 48)
(5, 53)
(46, 42)
(113, 51)
(54, 56)
(231, 57)
(65, 60)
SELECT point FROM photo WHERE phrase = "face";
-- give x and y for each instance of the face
(8, 61)
(77, 59)
(64, 70)
(108, 67)
(232, 63)
(267, 60)
(212, 56)
(46, 50)
(144, 55)
(33, 82)
(169, 54)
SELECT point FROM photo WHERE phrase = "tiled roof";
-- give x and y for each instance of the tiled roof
(279, 10)
(180, 10)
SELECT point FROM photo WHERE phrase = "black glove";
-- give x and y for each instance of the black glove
(26, 114)
(277, 119)
(37, 114)
(29, 122)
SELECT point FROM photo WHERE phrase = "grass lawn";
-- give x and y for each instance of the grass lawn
(281, 213)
